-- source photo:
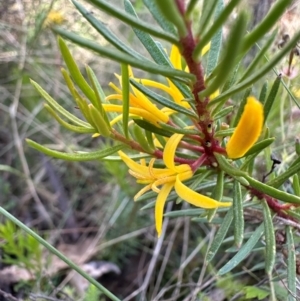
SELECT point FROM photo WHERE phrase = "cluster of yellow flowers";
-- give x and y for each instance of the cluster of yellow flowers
(163, 180)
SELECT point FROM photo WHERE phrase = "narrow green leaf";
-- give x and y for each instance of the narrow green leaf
(190, 9)
(228, 168)
(279, 180)
(214, 28)
(156, 51)
(291, 265)
(216, 42)
(217, 194)
(154, 48)
(141, 139)
(238, 214)
(229, 59)
(173, 129)
(125, 100)
(70, 127)
(58, 107)
(258, 57)
(152, 128)
(259, 146)
(75, 72)
(243, 252)
(7, 168)
(256, 75)
(266, 24)
(54, 251)
(271, 97)
(296, 185)
(160, 19)
(236, 173)
(99, 93)
(103, 128)
(124, 58)
(171, 12)
(241, 107)
(224, 133)
(149, 137)
(162, 100)
(220, 114)
(105, 32)
(158, 56)
(263, 92)
(219, 238)
(275, 193)
(297, 146)
(231, 78)
(95, 155)
(270, 239)
(126, 18)
(208, 8)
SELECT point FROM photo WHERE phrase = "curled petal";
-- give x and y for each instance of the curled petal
(170, 149)
(248, 129)
(160, 204)
(195, 198)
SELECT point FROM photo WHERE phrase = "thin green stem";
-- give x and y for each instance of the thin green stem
(54, 251)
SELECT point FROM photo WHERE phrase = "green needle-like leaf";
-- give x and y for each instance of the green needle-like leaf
(173, 129)
(296, 184)
(152, 128)
(243, 252)
(258, 57)
(106, 33)
(208, 8)
(238, 214)
(160, 19)
(58, 107)
(256, 75)
(214, 28)
(126, 18)
(95, 155)
(267, 23)
(162, 100)
(216, 42)
(229, 59)
(99, 94)
(241, 107)
(70, 127)
(170, 11)
(125, 99)
(270, 239)
(291, 265)
(219, 238)
(75, 72)
(259, 146)
(263, 93)
(279, 180)
(124, 58)
(141, 139)
(271, 97)
(155, 50)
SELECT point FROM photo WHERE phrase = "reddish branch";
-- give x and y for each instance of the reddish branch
(188, 44)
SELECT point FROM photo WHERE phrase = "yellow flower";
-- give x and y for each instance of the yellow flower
(54, 18)
(140, 105)
(248, 129)
(168, 178)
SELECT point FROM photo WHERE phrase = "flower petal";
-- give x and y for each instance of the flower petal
(160, 204)
(170, 149)
(195, 198)
(248, 129)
